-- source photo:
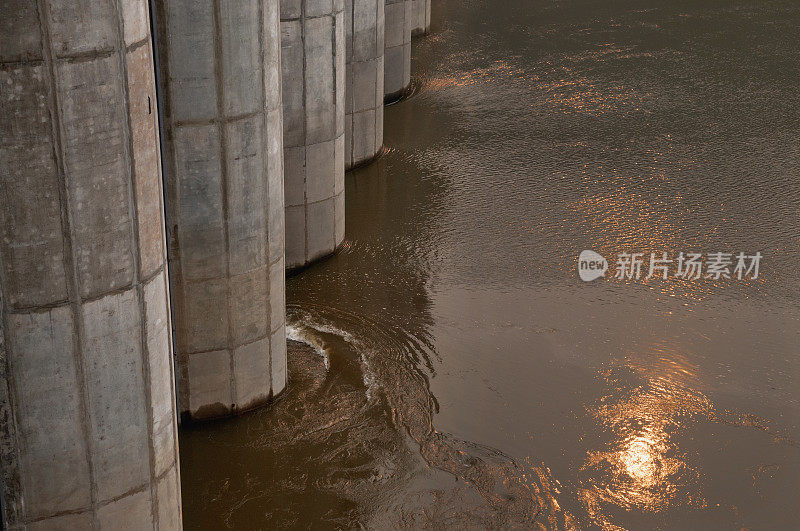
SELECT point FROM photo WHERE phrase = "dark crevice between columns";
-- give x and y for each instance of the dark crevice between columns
(165, 239)
(154, 36)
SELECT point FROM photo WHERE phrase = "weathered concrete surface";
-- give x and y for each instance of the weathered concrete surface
(220, 66)
(421, 16)
(397, 60)
(313, 63)
(88, 429)
(363, 120)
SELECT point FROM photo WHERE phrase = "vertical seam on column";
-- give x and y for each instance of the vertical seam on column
(265, 177)
(428, 15)
(406, 25)
(70, 257)
(305, 131)
(405, 3)
(281, 191)
(336, 74)
(351, 96)
(223, 165)
(279, 108)
(379, 57)
(133, 215)
(375, 62)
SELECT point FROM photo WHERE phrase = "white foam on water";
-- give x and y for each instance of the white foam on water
(297, 333)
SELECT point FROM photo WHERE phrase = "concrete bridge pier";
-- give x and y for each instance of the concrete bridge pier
(220, 71)
(363, 121)
(313, 72)
(87, 414)
(397, 61)
(422, 17)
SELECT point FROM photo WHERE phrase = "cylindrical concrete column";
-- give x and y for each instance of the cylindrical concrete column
(422, 17)
(313, 59)
(363, 121)
(88, 429)
(397, 61)
(220, 64)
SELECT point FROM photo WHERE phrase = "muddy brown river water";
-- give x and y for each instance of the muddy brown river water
(454, 371)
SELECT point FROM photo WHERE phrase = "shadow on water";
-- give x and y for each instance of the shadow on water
(352, 442)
